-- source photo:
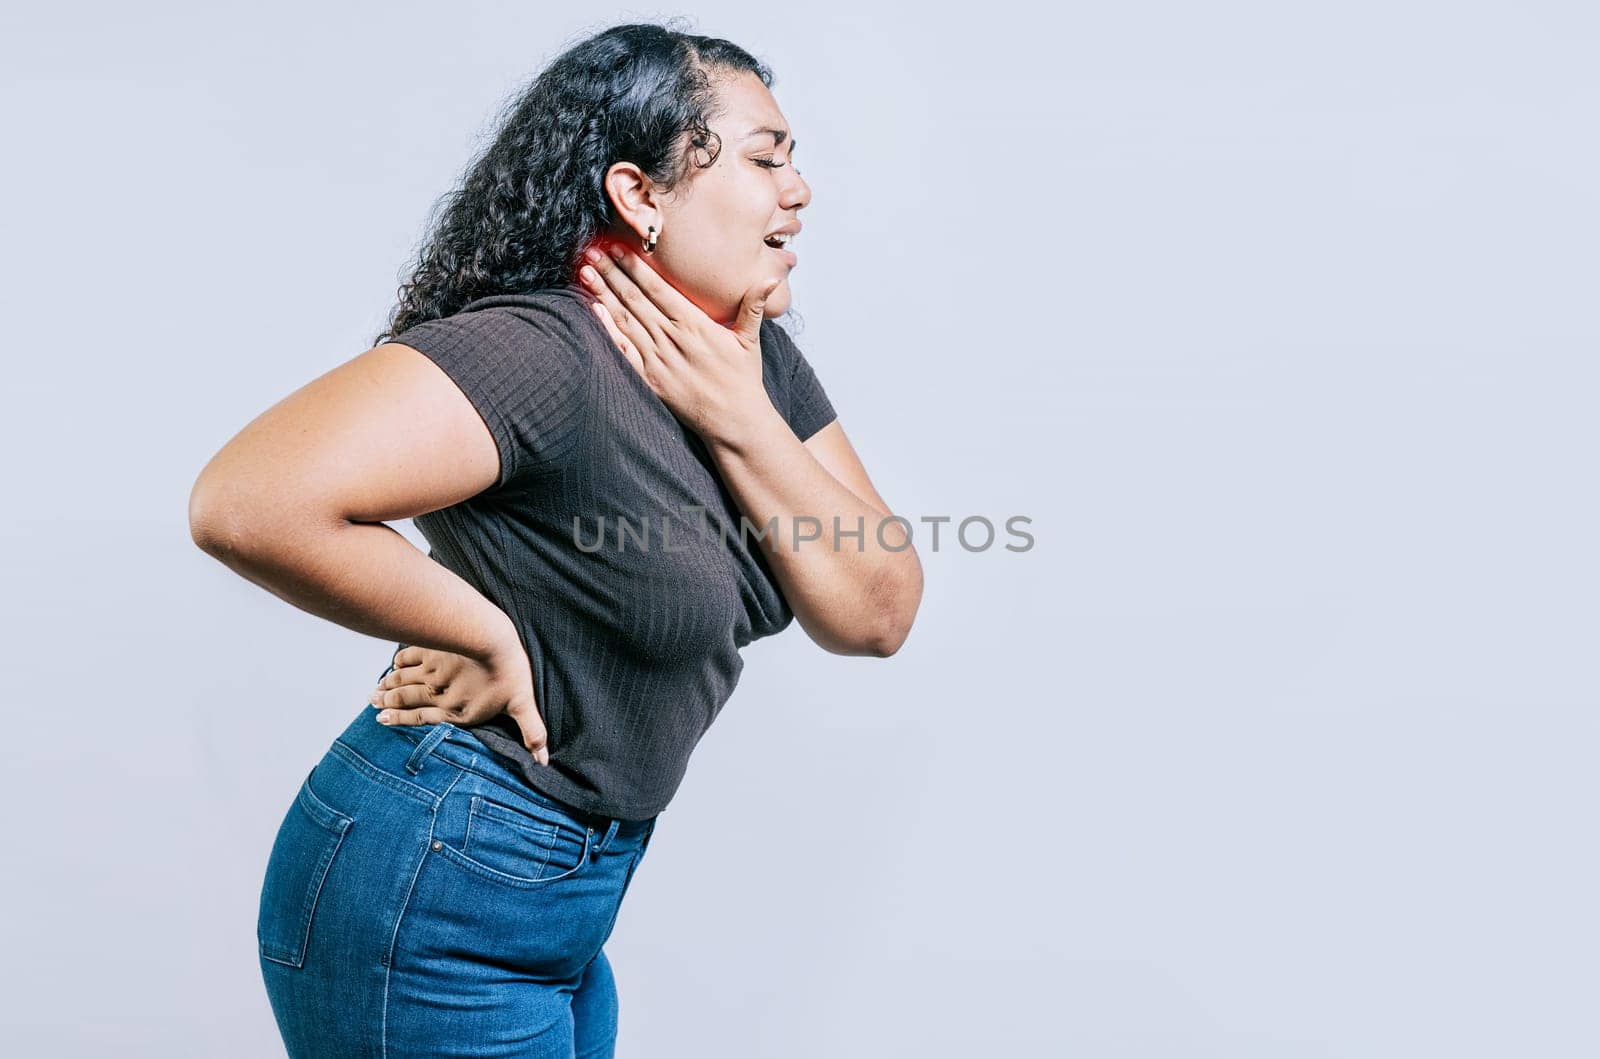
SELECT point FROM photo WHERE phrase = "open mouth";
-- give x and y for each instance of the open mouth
(778, 242)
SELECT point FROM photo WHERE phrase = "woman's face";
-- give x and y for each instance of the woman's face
(711, 230)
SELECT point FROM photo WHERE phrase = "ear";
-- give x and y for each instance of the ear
(633, 196)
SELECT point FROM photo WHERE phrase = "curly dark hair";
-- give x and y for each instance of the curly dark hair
(533, 200)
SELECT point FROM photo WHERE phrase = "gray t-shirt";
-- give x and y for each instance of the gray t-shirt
(633, 620)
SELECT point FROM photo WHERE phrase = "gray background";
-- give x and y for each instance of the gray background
(1277, 320)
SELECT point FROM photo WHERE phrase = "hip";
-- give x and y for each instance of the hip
(406, 843)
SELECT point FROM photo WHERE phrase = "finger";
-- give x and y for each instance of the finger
(624, 345)
(647, 312)
(409, 655)
(754, 311)
(413, 674)
(671, 303)
(624, 321)
(410, 677)
(534, 734)
(412, 718)
(408, 696)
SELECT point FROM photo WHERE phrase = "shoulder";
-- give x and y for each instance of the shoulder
(553, 318)
(774, 338)
(777, 360)
(795, 389)
(778, 351)
(526, 363)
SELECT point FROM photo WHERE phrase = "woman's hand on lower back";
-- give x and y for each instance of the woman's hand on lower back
(431, 687)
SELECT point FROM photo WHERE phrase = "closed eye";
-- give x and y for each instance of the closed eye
(768, 163)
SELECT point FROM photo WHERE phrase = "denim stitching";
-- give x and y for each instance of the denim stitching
(523, 790)
(420, 754)
(515, 882)
(405, 906)
(549, 833)
(627, 880)
(321, 811)
(520, 789)
(411, 790)
(332, 822)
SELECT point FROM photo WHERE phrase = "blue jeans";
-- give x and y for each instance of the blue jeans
(421, 900)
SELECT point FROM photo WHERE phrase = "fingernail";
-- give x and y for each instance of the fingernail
(385, 717)
(616, 252)
(592, 256)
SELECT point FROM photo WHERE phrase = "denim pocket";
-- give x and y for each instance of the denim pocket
(525, 845)
(308, 840)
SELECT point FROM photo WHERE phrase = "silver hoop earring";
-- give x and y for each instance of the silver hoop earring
(650, 242)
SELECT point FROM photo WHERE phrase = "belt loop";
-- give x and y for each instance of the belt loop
(434, 737)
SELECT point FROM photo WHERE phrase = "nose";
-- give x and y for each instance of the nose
(796, 192)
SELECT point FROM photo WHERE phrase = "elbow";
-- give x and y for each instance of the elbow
(895, 626)
(887, 644)
(879, 641)
(212, 525)
(224, 521)
(229, 541)
(891, 637)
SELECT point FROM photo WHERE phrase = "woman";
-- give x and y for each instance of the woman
(584, 350)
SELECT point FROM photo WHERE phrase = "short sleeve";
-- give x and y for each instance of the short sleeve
(524, 373)
(809, 407)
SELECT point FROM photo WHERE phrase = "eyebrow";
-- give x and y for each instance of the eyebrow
(778, 136)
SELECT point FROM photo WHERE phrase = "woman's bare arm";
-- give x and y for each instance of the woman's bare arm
(854, 592)
(296, 502)
(855, 582)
